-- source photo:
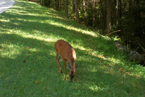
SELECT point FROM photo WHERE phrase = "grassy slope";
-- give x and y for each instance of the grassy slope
(27, 58)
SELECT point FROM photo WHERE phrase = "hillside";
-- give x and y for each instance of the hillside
(28, 66)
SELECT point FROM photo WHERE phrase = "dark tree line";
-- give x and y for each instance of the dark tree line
(122, 18)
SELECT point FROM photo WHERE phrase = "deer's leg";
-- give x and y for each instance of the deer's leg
(64, 68)
(58, 61)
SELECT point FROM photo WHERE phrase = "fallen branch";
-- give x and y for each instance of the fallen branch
(142, 47)
(113, 32)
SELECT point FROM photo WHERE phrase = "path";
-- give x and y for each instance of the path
(6, 4)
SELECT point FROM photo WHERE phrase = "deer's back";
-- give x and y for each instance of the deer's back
(65, 50)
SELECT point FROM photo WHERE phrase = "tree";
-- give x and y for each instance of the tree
(76, 9)
(108, 15)
(73, 6)
(93, 22)
(57, 4)
(66, 8)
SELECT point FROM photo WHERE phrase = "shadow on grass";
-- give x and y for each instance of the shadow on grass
(34, 69)
(25, 50)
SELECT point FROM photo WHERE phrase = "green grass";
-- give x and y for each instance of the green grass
(28, 67)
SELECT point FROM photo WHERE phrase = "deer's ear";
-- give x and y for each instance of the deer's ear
(76, 66)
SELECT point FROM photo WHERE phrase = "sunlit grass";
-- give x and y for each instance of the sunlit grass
(28, 66)
(9, 51)
(59, 24)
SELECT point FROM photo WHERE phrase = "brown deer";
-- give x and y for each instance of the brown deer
(65, 51)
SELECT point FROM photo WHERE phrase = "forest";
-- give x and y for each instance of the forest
(123, 20)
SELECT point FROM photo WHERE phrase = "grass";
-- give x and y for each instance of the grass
(28, 67)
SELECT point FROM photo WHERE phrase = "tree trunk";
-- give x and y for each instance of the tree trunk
(83, 5)
(57, 4)
(60, 4)
(117, 17)
(93, 23)
(73, 6)
(66, 8)
(76, 9)
(108, 15)
(119, 9)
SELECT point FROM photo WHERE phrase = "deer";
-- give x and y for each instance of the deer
(67, 53)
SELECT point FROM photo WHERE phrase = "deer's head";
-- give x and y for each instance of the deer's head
(72, 72)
